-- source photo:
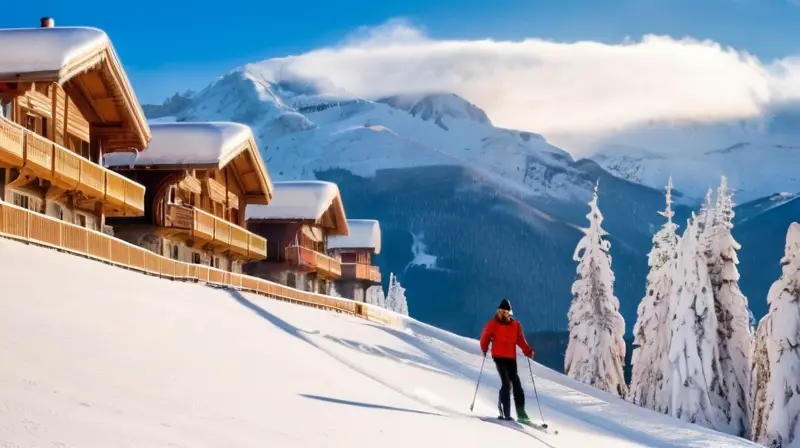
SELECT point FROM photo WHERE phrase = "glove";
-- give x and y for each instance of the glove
(529, 354)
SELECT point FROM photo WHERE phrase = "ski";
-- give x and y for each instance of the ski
(519, 426)
(539, 426)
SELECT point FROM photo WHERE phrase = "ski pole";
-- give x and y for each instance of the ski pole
(479, 383)
(544, 425)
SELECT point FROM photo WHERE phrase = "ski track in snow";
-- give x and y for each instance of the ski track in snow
(174, 364)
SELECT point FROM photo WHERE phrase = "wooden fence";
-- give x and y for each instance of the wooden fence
(31, 227)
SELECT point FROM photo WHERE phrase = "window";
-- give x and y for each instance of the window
(85, 150)
(175, 252)
(195, 258)
(291, 280)
(30, 122)
(26, 201)
(80, 219)
(20, 200)
(171, 195)
(58, 211)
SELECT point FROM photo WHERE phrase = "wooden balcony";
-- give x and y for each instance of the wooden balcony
(218, 234)
(203, 224)
(123, 197)
(68, 171)
(38, 155)
(362, 272)
(12, 144)
(313, 261)
(239, 240)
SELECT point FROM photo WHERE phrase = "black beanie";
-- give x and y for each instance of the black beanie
(505, 305)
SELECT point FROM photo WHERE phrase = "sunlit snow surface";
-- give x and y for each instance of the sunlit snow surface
(94, 355)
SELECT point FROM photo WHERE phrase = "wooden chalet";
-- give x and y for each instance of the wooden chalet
(200, 177)
(297, 225)
(355, 251)
(65, 102)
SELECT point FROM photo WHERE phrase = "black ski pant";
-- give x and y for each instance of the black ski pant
(507, 368)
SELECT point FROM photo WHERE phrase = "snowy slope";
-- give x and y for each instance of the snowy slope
(758, 156)
(175, 364)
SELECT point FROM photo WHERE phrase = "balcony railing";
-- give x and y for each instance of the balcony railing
(30, 227)
(12, 144)
(314, 261)
(220, 233)
(358, 271)
(122, 196)
(21, 148)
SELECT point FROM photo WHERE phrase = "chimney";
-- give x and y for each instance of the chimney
(47, 22)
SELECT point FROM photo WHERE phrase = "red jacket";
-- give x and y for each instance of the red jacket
(505, 336)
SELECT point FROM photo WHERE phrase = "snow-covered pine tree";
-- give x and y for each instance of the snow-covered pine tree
(694, 379)
(759, 381)
(705, 225)
(375, 296)
(596, 351)
(776, 413)
(396, 297)
(733, 314)
(652, 329)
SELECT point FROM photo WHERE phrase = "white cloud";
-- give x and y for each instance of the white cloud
(559, 88)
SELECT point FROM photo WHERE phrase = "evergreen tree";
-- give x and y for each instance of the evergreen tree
(759, 381)
(694, 378)
(733, 315)
(396, 297)
(652, 331)
(375, 296)
(596, 351)
(776, 369)
(705, 222)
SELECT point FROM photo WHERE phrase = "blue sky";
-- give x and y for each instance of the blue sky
(171, 45)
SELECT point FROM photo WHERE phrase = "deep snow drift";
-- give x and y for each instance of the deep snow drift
(94, 355)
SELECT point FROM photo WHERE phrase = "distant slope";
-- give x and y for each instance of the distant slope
(758, 156)
(763, 236)
(91, 360)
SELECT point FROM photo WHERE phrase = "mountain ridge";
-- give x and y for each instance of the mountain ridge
(499, 210)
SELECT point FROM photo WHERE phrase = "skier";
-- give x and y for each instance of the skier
(505, 333)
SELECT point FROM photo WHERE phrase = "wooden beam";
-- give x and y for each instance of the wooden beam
(110, 129)
(238, 180)
(75, 92)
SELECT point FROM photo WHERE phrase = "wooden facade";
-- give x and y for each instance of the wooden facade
(356, 254)
(54, 128)
(194, 212)
(297, 250)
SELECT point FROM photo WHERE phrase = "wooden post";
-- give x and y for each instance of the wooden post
(101, 215)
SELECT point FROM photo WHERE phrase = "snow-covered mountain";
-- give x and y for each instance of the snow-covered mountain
(497, 210)
(758, 156)
(184, 365)
(364, 136)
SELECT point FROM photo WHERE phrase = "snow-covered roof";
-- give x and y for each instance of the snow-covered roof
(364, 234)
(31, 50)
(296, 200)
(60, 54)
(302, 200)
(201, 145)
(186, 144)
